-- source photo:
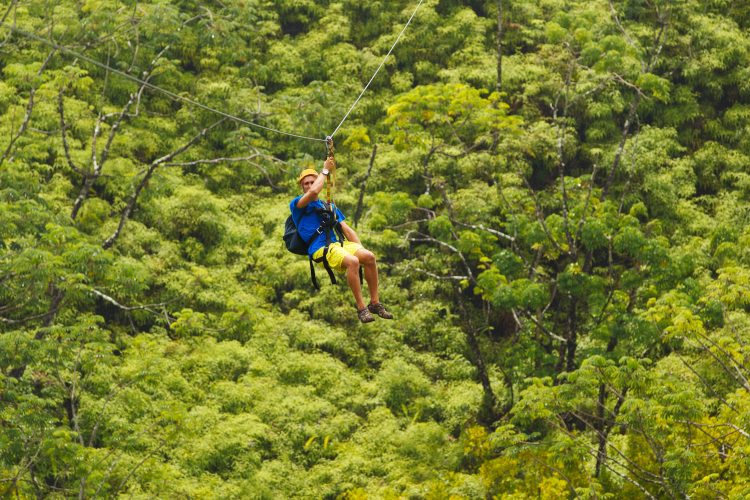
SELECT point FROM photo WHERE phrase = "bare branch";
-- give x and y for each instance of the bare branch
(725, 424)
(137, 466)
(148, 307)
(627, 478)
(360, 200)
(29, 110)
(151, 169)
(90, 178)
(540, 214)
(708, 384)
(439, 277)
(5, 16)
(63, 129)
(584, 215)
(633, 86)
(731, 371)
(541, 327)
(212, 161)
(430, 213)
(430, 239)
(483, 228)
(561, 131)
(627, 463)
(409, 223)
(27, 463)
(659, 41)
(7, 12)
(98, 164)
(622, 29)
(621, 147)
(23, 320)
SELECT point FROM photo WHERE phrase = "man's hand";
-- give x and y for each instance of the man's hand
(330, 164)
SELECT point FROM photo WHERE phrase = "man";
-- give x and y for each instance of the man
(346, 258)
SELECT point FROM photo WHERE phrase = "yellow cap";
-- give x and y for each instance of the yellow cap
(306, 172)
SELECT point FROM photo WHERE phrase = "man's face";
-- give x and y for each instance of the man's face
(307, 183)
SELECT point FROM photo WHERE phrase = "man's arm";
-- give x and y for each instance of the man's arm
(313, 193)
(350, 234)
(328, 167)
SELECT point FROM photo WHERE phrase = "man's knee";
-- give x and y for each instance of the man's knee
(366, 257)
(351, 262)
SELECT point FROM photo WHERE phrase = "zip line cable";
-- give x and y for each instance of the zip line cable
(378, 70)
(197, 104)
(152, 86)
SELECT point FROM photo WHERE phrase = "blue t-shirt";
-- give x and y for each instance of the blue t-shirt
(307, 222)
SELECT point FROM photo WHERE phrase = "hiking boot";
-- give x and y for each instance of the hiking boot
(365, 316)
(379, 309)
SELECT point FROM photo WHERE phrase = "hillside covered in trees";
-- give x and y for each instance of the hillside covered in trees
(557, 191)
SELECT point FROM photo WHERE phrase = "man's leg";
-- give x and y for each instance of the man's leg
(367, 259)
(351, 263)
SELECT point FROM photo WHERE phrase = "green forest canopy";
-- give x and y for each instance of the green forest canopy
(557, 192)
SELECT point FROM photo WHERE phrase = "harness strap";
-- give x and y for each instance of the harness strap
(339, 233)
(327, 228)
(312, 274)
(327, 266)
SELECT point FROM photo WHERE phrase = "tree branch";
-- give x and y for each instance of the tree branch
(213, 161)
(735, 428)
(742, 379)
(360, 200)
(708, 384)
(427, 238)
(148, 307)
(541, 327)
(63, 129)
(439, 277)
(540, 215)
(621, 147)
(7, 12)
(151, 169)
(29, 110)
(483, 228)
(98, 164)
(581, 222)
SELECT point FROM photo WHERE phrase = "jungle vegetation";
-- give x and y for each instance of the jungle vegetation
(557, 192)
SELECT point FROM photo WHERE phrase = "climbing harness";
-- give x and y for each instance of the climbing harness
(329, 224)
(296, 244)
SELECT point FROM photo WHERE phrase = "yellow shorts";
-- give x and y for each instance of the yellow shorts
(336, 254)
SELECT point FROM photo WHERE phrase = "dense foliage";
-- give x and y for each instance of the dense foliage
(557, 192)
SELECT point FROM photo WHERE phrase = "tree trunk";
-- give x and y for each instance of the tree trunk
(500, 33)
(358, 212)
(572, 337)
(488, 413)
